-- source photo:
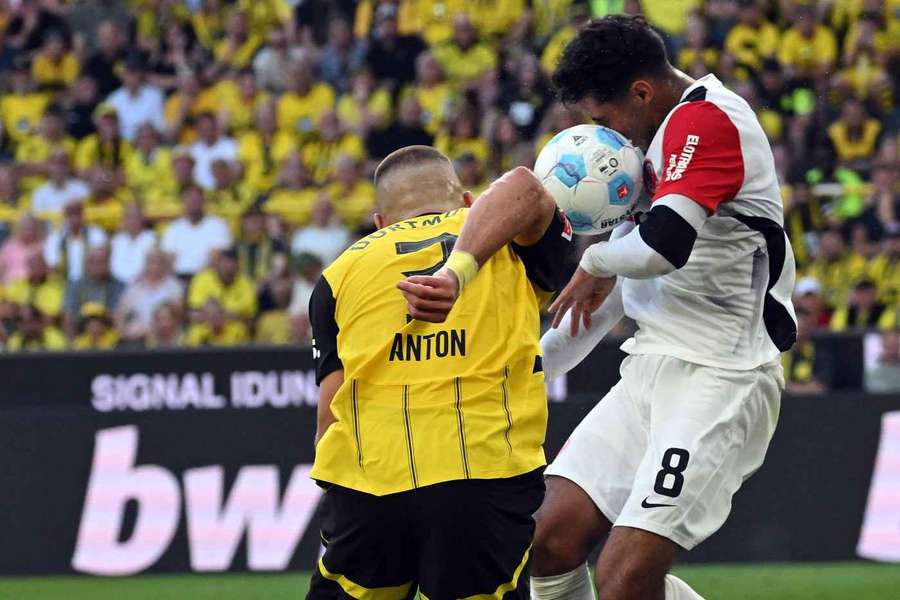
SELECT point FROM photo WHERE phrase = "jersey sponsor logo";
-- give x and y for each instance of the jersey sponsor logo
(646, 504)
(650, 178)
(410, 347)
(679, 163)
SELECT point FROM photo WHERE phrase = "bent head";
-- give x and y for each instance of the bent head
(616, 70)
(413, 181)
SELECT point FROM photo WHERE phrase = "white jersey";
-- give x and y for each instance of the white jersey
(729, 306)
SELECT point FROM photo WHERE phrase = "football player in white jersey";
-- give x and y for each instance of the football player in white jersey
(707, 273)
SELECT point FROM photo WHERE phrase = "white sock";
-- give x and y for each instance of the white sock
(574, 585)
(676, 589)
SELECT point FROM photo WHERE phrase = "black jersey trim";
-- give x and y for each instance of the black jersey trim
(669, 234)
(504, 390)
(409, 438)
(322, 306)
(550, 262)
(354, 408)
(461, 425)
(697, 94)
(780, 326)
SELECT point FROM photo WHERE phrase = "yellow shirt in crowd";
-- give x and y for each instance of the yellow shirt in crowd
(239, 298)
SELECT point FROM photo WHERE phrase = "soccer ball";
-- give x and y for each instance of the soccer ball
(594, 174)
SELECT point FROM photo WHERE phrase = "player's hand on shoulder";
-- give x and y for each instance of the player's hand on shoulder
(582, 295)
(430, 298)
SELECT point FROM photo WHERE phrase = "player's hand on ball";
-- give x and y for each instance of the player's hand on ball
(430, 298)
(583, 295)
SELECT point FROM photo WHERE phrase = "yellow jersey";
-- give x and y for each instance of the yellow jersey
(424, 403)
(300, 114)
(21, 112)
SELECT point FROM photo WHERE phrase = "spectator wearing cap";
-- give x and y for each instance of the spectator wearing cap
(321, 152)
(262, 148)
(325, 236)
(807, 49)
(67, 246)
(210, 147)
(35, 150)
(130, 246)
(97, 285)
(753, 38)
(106, 147)
(79, 111)
(27, 239)
(341, 56)
(274, 60)
(39, 286)
(884, 377)
(22, 106)
(154, 287)
(392, 56)
(61, 187)
(149, 165)
(465, 59)
(259, 254)
(215, 328)
(407, 130)
(34, 333)
(305, 101)
(224, 283)
(239, 45)
(137, 102)
(95, 327)
(806, 369)
(808, 296)
(863, 310)
(192, 238)
(294, 195)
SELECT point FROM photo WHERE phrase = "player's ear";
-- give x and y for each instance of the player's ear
(379, 221)
(468, 198)
(642, 91)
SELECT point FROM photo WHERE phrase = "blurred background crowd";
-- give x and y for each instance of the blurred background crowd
(179, 172)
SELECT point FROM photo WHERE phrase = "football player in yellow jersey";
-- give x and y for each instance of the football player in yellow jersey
(430, 434)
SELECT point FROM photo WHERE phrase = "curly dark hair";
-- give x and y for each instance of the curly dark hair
(606, 56)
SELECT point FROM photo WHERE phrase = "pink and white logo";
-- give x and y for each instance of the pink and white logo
(880, 535)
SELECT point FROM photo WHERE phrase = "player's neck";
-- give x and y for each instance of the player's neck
(674, 86)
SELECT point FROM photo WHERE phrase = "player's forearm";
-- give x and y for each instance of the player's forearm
(660, 245)
(563, 352)
(327, 390)
(515, 208)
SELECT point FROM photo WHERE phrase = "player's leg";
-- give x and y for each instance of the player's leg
(587, 485)
(367, 549)
(709, 431)
(473, 537)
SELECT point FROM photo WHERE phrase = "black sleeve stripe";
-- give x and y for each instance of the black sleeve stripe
(669, 234)
(550, 262)
(325, 330)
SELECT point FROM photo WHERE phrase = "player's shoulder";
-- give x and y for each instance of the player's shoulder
(707, 105)
(373, 250)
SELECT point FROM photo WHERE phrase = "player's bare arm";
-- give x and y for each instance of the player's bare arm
(516, 208)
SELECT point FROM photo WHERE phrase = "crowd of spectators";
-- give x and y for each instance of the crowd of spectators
(179, 172)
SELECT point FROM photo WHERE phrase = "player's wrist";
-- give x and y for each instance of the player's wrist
(463, 266)
(593, 261)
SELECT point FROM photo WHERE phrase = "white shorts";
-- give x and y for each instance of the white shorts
(670, 444)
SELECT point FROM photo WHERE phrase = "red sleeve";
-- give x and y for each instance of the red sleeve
(702, 156)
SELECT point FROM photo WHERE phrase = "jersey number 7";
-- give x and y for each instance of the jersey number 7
(446, 240)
